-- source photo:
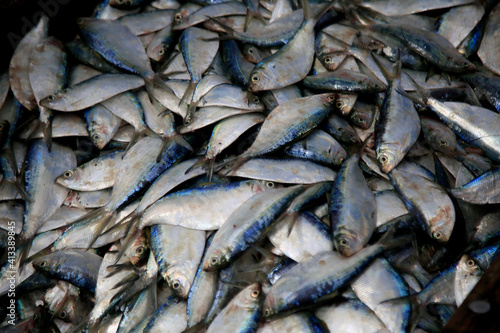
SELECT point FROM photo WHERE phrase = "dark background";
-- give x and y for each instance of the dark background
(17, 17)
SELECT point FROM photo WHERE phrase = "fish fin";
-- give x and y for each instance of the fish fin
(132, 142)
(20, 189)
(46, 124)
(132, 233)
(81, 327)
(388, 241)
(187, 97)
(229, 32)
(211, 165)
(197, 328)
(396, 69)
(117, 268)
(471, 96)
(24, 250)
(422, 94)
(131, 278)
(101, 225)
(238, 162)
(322, 11)
(156, 81)
(165, 142)
(190, 112)
(197, 164)
(432, 71)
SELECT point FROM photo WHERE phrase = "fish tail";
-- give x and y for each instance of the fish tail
(237, 160)
(137, 135)
(396, 69)
(388, 241)
(46, 123)
(187, 97)
(229, 32)
(85, 323)
(132, 233)
(316, 17)
(24, 248)
(422, 94)
(197, 164)
(101, 225)
(211, 165)
(471, 96)
(156, 81)
(20, 189)
(196, 328)
(190, 112)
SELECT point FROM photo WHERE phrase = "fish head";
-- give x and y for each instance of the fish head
(158, 53)
(215, 259)
(468, 265)
(178, 280)
(67, 177)
(442, 222)
(345, 103)
(387, 159)
(251, 53)
(338, 156)
(259, 80)
(252, 296)
(44, 263)
(138, 253)
(98, 135)
(347, 242)
(52, 101)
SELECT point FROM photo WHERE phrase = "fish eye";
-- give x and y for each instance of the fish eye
(341, 160)
(63, 315)
(328, 60)
(176, 285)
(383, 159)
(43, 263)
(376, 85)
(255, 294)
(214, 260)
(443, 143)
(140, 250)
(51, 98)
(438, 235)
(471, 263)
(339, 104)
(96, 137)
(255, 78)
(267, 312)
(161, 51)
(250, 51)
(331, 98)
(256, 100)
(270, 185)
(178, 18)
(344, 242)
(68, 174)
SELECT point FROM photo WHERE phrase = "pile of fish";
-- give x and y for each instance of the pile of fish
(272, 166)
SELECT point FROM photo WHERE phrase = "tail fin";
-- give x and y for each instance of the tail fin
(46, 123)
(230, 32)
(388, 241)
(396, 69)
(24, 248)
(132, 233)
(187, 98)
